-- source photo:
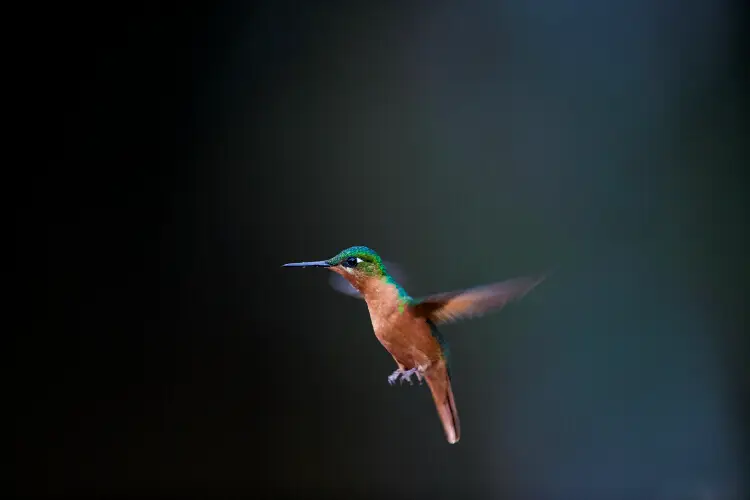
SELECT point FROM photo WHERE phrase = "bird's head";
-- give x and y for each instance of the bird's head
(358, 265)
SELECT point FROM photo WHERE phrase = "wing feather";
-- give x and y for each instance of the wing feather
(472, 302)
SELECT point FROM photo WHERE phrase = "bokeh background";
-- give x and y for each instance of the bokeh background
(190, 149)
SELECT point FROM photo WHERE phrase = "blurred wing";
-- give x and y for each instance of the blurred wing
(463, 304)
(340, 284)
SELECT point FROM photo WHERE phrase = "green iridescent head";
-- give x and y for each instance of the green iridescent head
(361, 258)
(358, 258)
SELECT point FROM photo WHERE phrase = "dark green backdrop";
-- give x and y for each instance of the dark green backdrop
(191, 150)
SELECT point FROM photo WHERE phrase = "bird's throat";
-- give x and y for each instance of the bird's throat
(384, 296)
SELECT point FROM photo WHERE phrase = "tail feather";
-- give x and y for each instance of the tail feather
(439, 381)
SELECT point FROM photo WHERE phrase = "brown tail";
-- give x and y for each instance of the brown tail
(439, 382)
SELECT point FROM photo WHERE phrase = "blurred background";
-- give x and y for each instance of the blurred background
(190, 149)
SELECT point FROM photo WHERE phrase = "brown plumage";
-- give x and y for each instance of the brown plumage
(463, 304)
(407, 328)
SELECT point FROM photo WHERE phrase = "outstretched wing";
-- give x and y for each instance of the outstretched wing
(461, 304)
(340, 284)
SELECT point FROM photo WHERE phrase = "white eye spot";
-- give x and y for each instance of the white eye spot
(359, 260)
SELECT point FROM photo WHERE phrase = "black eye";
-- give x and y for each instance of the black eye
(350, 262)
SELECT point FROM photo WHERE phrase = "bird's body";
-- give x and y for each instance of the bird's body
(415, 345)
(407, 328)
(404, 335)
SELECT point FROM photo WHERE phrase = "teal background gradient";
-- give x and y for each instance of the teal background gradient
(195, 149)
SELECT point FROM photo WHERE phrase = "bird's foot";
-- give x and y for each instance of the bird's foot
(406, 375)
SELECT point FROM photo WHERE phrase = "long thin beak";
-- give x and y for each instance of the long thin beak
(317, 263)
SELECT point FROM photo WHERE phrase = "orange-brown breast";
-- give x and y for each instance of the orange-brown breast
(407, 337)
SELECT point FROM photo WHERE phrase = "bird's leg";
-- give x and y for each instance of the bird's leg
(396, 374)
(419, 373)
(406, 375)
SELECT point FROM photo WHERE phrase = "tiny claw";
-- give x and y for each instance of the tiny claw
(406, 375)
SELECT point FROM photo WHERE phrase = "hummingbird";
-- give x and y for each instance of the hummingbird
(407, 327)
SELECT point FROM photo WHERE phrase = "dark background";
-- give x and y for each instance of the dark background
(183, 152)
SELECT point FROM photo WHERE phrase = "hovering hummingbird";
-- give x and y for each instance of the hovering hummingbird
(407, 327)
